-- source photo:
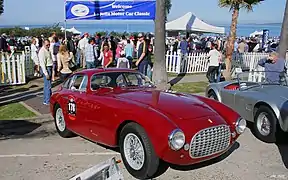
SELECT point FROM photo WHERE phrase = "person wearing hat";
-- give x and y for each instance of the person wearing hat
(142, 62)
(123, 62)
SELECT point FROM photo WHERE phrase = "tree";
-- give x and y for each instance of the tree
(1, 7)
(284, 34)
(168, 6)
(235, 6)
(160, 77)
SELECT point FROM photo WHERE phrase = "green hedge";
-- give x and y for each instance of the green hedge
(46, 31)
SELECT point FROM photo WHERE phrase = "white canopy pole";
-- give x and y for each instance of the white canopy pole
(65, 23)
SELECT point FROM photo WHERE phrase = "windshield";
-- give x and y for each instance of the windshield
(120, 79)
(256, 78)
(136, 80)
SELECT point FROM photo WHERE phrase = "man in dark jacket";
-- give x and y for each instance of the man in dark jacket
(3, 43)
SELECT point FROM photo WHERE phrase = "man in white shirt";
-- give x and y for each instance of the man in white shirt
(82, 45)
(46, 65)
(214, 59)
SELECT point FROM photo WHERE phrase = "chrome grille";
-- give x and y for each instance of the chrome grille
(210, 141)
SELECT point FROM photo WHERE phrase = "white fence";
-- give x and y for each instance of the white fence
(13, 70)
(198, 62)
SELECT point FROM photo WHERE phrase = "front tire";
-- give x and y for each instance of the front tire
(138, 154)
(60, 123)
(265, 124)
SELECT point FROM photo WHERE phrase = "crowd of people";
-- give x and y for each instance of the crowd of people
(204, 44)
(54, 56)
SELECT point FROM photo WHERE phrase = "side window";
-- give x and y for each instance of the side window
(67, 83)
(83, 85)
(132, 79)
(79, 82)
(120, 81)
(100, 80)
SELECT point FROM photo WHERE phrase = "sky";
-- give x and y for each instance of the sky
(24, 12)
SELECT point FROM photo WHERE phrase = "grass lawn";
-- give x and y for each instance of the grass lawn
(14, 111)
(191, 87)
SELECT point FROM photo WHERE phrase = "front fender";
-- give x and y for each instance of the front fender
(156, 124)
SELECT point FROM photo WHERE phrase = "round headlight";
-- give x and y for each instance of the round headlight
(240, 125)
(176, 139)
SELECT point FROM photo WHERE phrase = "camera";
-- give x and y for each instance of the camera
(269, 61)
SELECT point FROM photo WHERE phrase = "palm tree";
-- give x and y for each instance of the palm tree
(284, 34)
(160, 77)
(1, 7)
(168, 6)
(235, 6)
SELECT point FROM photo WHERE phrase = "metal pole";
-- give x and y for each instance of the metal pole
(65, 23)
(65, 26)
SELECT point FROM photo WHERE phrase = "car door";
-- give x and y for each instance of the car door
(245, 106)
(76, 104)
(98, 101)
(228, 97)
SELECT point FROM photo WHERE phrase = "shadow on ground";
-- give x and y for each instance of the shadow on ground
(207, 163)
(15, 129)
(282, 144)
(14, 95)
(283, 150)
(177, 79)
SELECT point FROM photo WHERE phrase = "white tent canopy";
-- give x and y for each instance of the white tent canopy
(73, 30)
(256, 33)
(189, 22)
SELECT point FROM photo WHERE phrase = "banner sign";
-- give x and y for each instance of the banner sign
(110, 9)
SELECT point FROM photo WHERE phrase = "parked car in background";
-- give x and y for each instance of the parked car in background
(260, 102)
(122, 108)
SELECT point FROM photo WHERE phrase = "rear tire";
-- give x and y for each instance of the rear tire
(142, 161)
(212, 95)
(60, 123)
(265, 125)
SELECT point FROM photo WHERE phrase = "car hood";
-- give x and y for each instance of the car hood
(178, 106)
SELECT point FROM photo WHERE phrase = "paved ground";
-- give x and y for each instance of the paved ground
(35, 151)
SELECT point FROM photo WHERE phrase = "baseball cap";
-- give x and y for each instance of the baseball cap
(140, 35)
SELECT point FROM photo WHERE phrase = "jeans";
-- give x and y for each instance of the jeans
(130, 61)
(149, 72)
(219, 73)
(142, 67)
(47, 86)
(90, 65)
(78, 56)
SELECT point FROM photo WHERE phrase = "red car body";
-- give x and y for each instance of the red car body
(101, 115)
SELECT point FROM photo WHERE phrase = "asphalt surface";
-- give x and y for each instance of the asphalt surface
(34, 152)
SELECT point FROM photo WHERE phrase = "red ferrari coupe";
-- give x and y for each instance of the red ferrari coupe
(152, 128)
